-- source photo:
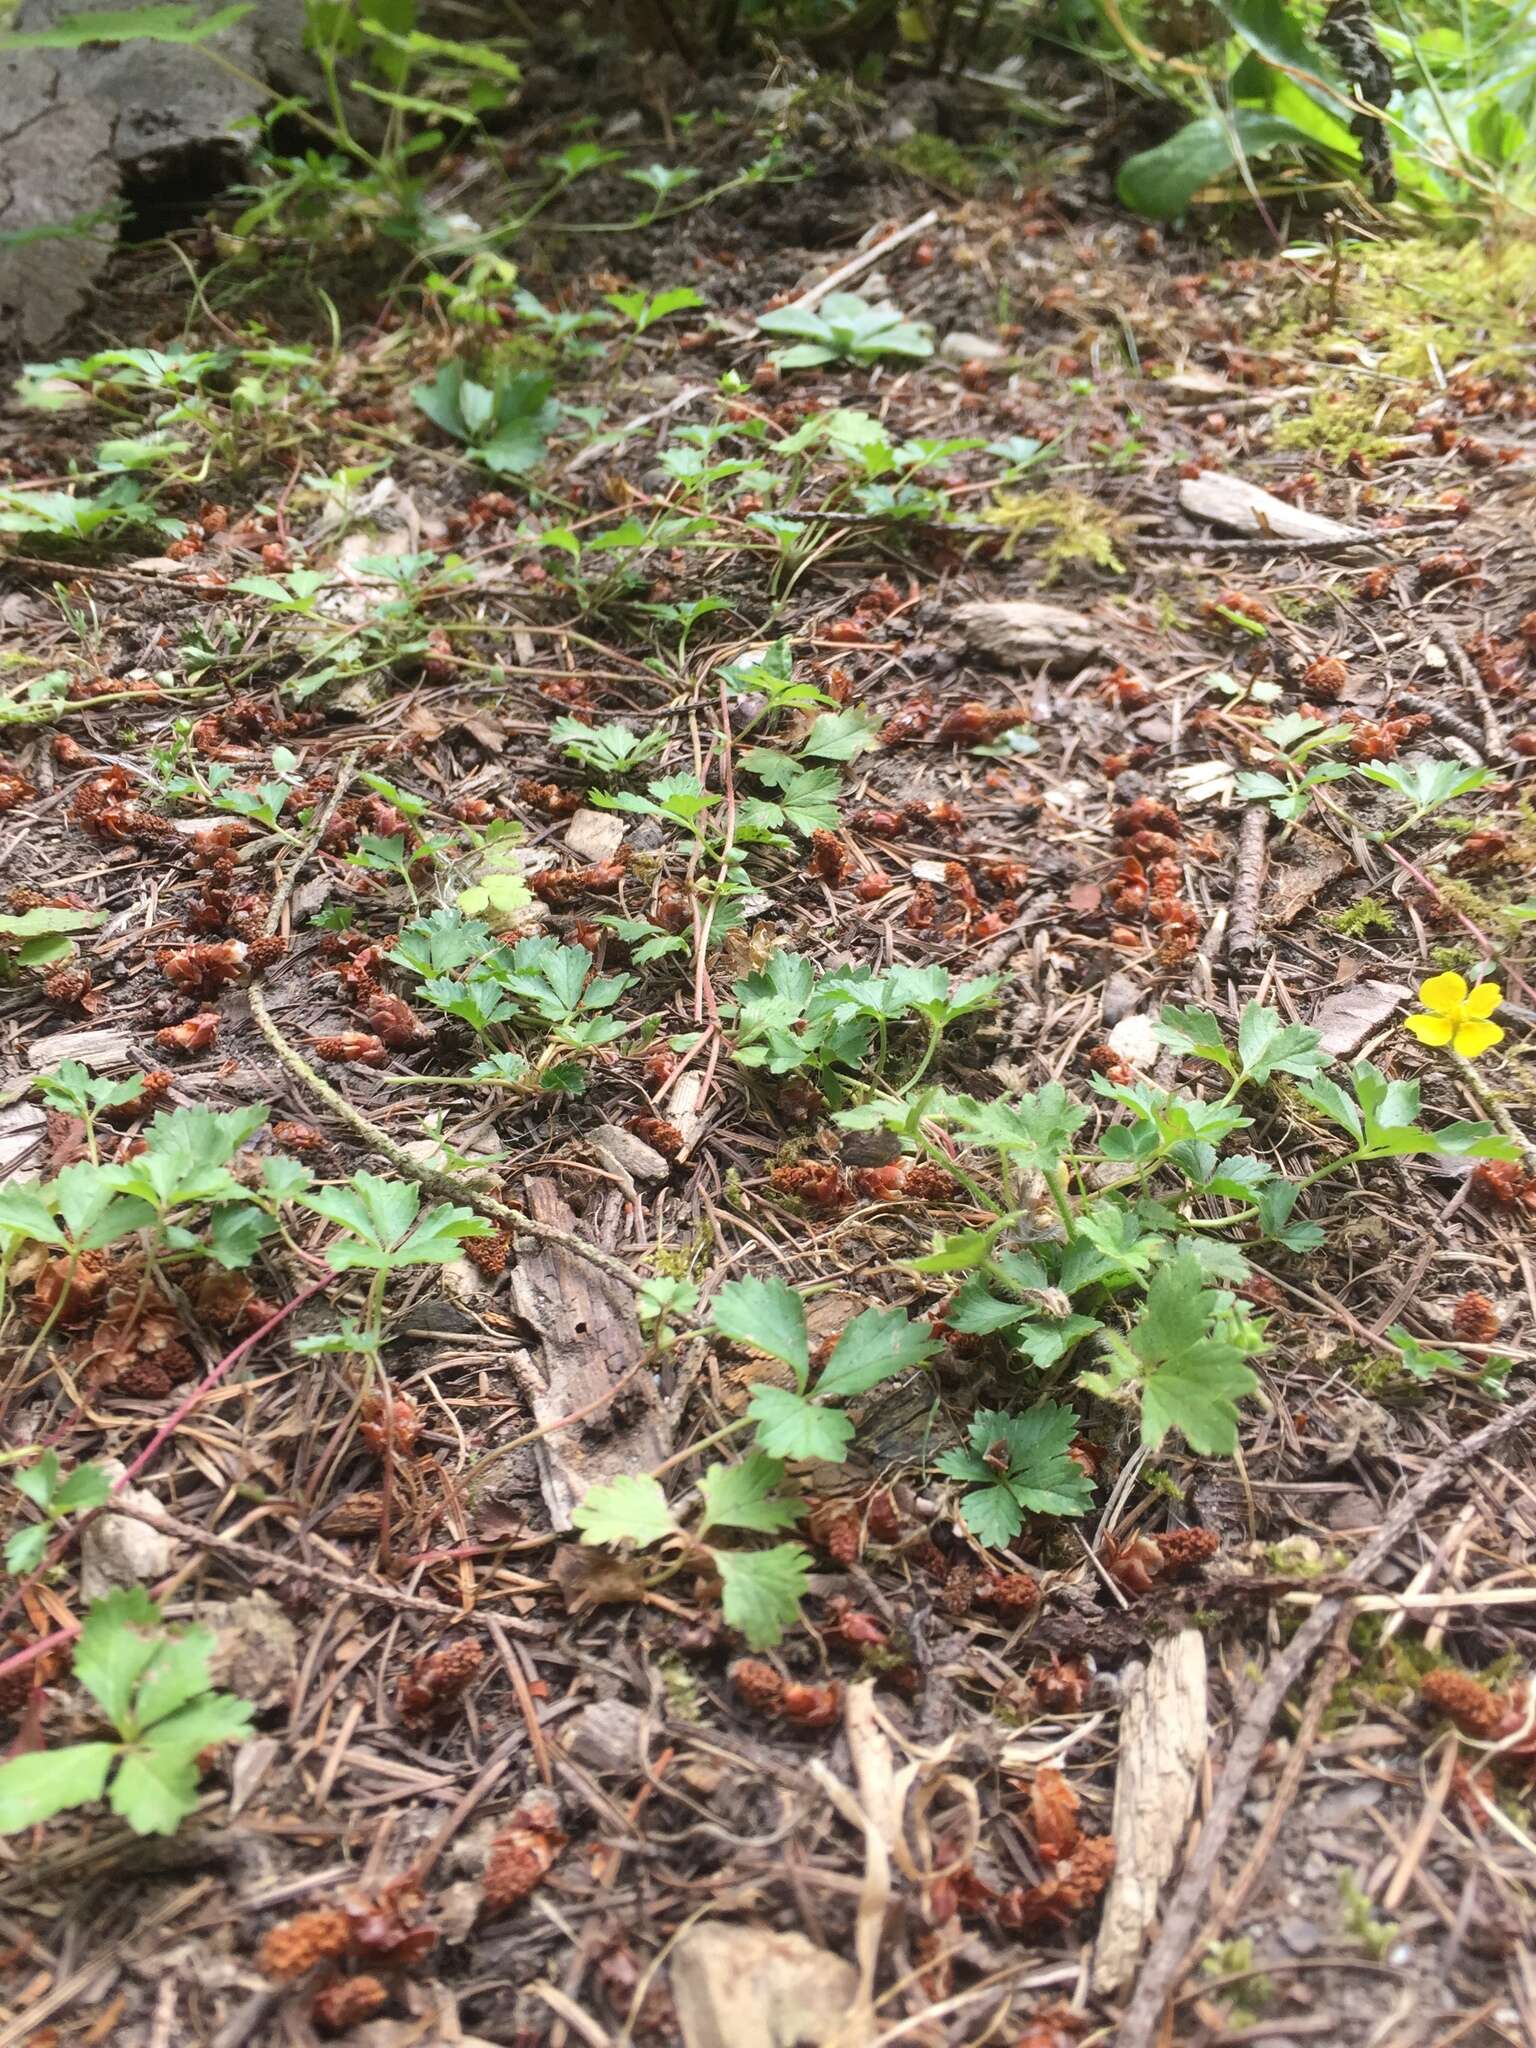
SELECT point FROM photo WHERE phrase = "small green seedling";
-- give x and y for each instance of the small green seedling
(846, 328)
(153, 1688)
(760, 1590)
(55, 1499)
(1018, 1465)
(800, 1422)
(39, 938)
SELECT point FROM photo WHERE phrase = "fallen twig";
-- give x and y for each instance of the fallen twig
(866, 259)
(1467, 675)
(1248, 883)
(1165, 1962)
(1281, 544)
(1444, 719)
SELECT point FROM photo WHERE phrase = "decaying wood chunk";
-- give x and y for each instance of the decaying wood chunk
(1163, 1739)
(1020, 631)
(588, 1341)
(1245, 508)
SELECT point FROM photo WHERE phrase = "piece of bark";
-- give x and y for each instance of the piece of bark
(589, 1340)
(1244, 508)
(107, 1051)
(1163, 1739)
(1248, 882)
(1293, 888)
(1021, 631)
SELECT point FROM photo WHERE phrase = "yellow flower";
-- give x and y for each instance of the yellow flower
(1457, 1016)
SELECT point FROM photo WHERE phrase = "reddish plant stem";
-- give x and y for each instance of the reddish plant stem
(70, 1535)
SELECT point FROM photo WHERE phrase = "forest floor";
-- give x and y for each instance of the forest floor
(553, 1797)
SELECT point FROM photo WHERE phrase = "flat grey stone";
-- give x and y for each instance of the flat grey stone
(77, 126)
(964, 347)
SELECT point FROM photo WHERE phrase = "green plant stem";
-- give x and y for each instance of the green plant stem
(1054, 1180)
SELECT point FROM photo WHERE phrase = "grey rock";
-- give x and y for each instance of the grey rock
(255, 1650)
(595, 835)
(609, 1735)
(629, 1155)
(964, 347)
(738, 1986)
(1119, 996)
(78, 125)
(116, 1553)
(1300, 1936)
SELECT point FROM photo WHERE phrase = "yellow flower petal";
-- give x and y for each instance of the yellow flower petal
(1484, 1000)
(1431, 1030)
(1443, 993)
(1475, 1036)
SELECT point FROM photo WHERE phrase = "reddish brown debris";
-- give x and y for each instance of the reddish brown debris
(346, 1048)
(437, 1681)
(294, 1946)
(72, 988)
(1475, 1320)
(522, 1855)
(397, 1425)
(1072, 1888)
(204, 970)
(1464, 1700)
(1012, 1593)
(816, 1182)
(337, 2008)
(195, 1035)
(660, 1135)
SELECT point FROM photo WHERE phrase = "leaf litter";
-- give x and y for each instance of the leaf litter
(733, 792)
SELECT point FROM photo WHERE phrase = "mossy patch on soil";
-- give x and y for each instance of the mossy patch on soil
(1079, 528)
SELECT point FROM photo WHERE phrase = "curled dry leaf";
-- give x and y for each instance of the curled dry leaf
(196, 1034)
(346, 1048)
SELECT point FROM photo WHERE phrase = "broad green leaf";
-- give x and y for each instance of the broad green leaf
(26, 1548)
(961, 1252)
(1193, 1032)
(1041, 1474)
(112, 1651)
(976, 1311)
(761, 1590)
(44, 1782)
(177, 1672)
(875, 1345)
(766, 1314)
(1161, 182)
(1267, 1045)
(790, 1426)
(157, 24)
(38, 1482)
(993, 1516)
(746, 1496)
(202, 1722)
(86, 1487)
(155, 1789)
(1330, 1100)
(629, 1509)
(1197, 1394)
(437, 1237)
(25, 1214)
